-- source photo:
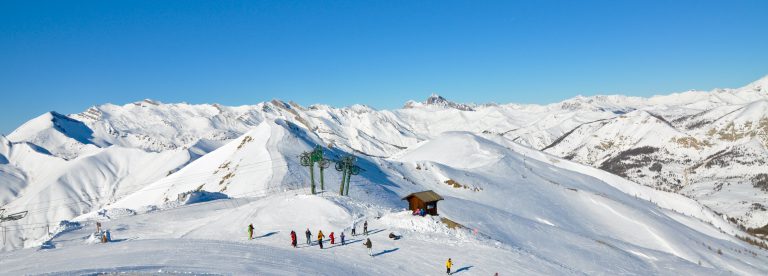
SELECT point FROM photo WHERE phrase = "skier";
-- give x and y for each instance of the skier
(448, 265)
(309, 237)
(365, 228)
(354, 225)
(293, 239)
(320, 237)
(250, 231)
(333, 240)
(368, 244)
(342, 237)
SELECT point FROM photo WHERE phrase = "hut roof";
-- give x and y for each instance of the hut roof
(426, 196)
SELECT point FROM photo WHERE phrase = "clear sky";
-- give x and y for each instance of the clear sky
(67, 56)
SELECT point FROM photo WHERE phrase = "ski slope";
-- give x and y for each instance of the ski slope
(522, 211)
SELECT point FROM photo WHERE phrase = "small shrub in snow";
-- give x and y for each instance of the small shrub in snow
(760, 181)
(458, 185)
(246, 139)
(454, 183)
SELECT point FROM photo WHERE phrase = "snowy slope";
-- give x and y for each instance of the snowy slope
(154, 126)
(58, 134)
(709, 148)
(594, 142)
(562, 202)
(52, 189)
(260, 161)
(516, 199)
(716, 155)
(13, 179)
(210, 238)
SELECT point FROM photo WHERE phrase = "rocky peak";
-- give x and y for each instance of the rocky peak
(437, 100)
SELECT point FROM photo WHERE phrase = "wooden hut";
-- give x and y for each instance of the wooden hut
(426, 200)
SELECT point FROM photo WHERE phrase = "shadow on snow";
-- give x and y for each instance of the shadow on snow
(387, 251)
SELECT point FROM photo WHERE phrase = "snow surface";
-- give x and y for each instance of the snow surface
(512, 207)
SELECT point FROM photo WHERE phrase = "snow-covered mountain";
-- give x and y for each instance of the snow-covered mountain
(504, 170)
(709, 146)
(511, 202)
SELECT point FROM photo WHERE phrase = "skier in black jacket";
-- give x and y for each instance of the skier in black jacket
(368, 244)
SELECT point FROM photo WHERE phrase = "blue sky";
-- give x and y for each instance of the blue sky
(67, 56)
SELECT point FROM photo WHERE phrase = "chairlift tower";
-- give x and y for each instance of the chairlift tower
(348, 168)
(10, 217)
(308, 159)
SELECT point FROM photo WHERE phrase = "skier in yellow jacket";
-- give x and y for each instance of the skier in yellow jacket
(448, 265)
(320, 237)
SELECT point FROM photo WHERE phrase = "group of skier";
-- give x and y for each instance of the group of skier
(104, 236)
(419, 212)
(320, 236)
(365, 228)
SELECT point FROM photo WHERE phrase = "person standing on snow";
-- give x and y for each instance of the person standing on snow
(342, 237)
(309, 237)
(365, 228)
(320, 237)
(368, 244)
(250, 231)
(448, 265)
(293, 239)
(333, 240)
(354, 225)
